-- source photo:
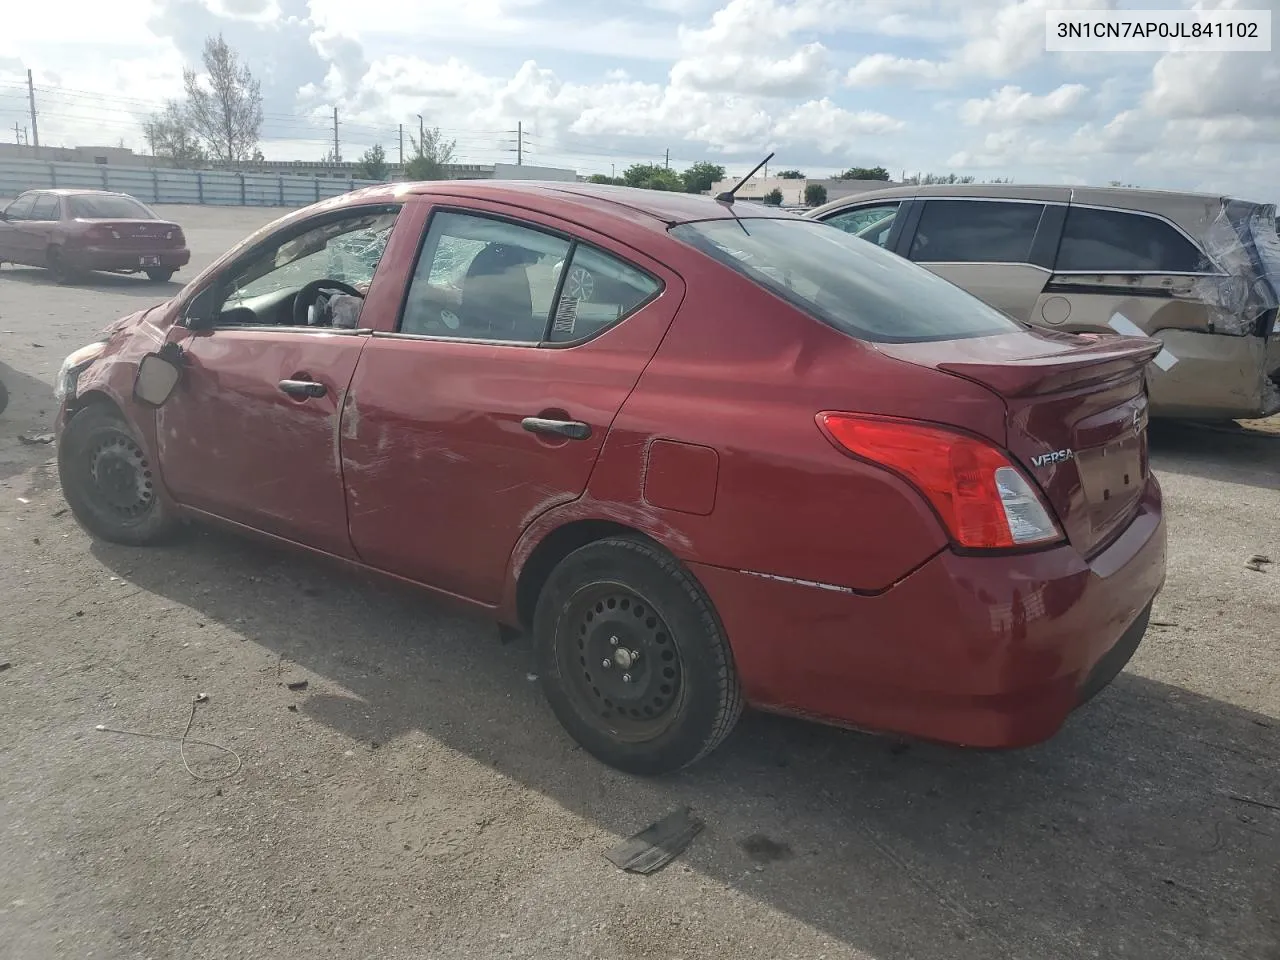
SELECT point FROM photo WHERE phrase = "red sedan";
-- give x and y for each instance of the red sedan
(71, 232)
(706, 454)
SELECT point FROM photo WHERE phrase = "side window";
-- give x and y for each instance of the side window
(483, 279)
(328, 263)
(598, 291)
(869, 223)
(46, 208)
(20, 209)
(976, 231)
(1111, 241)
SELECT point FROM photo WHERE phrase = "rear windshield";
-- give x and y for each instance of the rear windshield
(855, 286)
(108, 208)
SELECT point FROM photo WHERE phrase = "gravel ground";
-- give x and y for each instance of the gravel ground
(417, 799)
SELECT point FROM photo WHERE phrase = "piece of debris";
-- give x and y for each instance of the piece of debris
(59, 512)
(1257, 562)
(23, 500)
(297, 684)
(34, 439)
(5, 665)
(1255, 803)
(293, 708)
(1164, 623)
(39, 346)
(657, 844)
(201, 697)
(531, 677)
(374, 744)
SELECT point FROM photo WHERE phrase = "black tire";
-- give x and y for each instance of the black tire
(57, 267)
(108, 479)
(616, 599)
(160, 276)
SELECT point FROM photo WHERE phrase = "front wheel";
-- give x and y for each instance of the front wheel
(160, 276)
(633, 659)
(109, 481)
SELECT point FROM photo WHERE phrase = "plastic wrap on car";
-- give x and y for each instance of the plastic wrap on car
(1242, 242)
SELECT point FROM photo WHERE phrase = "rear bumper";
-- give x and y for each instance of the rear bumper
(1216, 376)
(108, 258)
(975, 651)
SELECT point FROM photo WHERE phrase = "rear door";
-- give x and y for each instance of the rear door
(998, 250)
(489, 400)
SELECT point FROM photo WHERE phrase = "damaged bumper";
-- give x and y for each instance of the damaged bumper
(1216, 376)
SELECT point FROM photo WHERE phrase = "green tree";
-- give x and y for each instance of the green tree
(606, 179)
(651, 176)
(864, 173)
(171, 135)
(226, 114)
(700, 177)
(431, 156)
(917, 179)
(373, 165)
(773, 198)
(815, 194)
(791, 175)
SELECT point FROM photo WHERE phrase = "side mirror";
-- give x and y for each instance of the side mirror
(158, 374)
(201, 311)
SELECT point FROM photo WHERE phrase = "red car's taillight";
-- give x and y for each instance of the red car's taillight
(102, 232)
(984, 501)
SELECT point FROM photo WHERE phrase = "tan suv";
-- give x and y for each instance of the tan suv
(1200, 273)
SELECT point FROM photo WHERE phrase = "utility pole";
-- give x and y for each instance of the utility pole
(337, 152)
(613, 171)
(402, 146)
(667, 163)
(17, 136)
(422, 136)
(519, 147)
(31, 95)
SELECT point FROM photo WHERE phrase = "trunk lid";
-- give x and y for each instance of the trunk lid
(134, 234)
(1076, 417)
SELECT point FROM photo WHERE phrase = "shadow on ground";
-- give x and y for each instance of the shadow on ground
(1229, 453)
(117, 283)
(29, 411)
(1124, 836)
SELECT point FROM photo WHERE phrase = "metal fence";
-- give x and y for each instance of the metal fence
(161, 185)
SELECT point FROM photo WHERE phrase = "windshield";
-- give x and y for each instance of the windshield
(854, 286)
(89, 207)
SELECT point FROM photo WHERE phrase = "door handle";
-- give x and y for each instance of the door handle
(303, 388)
(573, 429)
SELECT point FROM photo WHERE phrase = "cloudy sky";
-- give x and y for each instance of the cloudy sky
(915, 85)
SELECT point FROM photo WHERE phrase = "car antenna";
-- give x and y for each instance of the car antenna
(727, 195)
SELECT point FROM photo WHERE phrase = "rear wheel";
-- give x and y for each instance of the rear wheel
(633, 659)
(4, 397)
(159, 275)
(57, 266)
(109, 481)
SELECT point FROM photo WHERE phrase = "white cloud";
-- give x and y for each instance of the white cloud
(1012, 104)
(832, 128)
(805, 71)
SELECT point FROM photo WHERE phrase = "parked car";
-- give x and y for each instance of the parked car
(71, 232)
(705, 453)
(1198, 272)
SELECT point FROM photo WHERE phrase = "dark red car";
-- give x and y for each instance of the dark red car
(707, 454)
(71, 232)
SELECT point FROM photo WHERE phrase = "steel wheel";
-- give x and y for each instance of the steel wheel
(122, 477)
(624, 667)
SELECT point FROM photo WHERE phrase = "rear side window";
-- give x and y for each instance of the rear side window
(976, 231)
(1112, 241)
(598, 291)
(46, 208)
(854, 286)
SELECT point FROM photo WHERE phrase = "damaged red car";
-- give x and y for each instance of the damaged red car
(707, 454)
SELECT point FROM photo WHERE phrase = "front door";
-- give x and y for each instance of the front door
(14, 245)
(251, 434)
(490, 402)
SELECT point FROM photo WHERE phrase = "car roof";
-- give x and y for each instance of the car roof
(1193, 212)
(74, 192)
(656, 208)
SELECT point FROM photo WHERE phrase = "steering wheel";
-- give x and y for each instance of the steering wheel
(307, 295)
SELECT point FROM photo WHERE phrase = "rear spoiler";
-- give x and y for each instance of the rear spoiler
(1100, 358)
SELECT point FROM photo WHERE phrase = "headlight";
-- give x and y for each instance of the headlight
(73, 366)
